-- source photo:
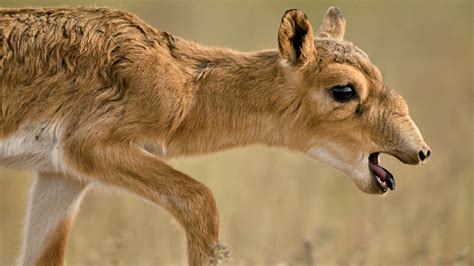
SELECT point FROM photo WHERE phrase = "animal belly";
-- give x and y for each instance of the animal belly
(33, 147)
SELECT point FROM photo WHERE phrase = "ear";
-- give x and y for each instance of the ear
(295, 38)
(334, 25)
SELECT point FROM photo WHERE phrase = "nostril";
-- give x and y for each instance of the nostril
(423, 156)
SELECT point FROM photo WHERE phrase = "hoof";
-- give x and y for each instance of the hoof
(219, 254)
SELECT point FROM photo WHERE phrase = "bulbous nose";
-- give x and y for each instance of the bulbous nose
(414, 155)
(424, 154)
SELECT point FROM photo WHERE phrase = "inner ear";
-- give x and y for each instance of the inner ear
(295, 38)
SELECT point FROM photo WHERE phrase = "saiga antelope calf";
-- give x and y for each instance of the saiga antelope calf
(93, 95)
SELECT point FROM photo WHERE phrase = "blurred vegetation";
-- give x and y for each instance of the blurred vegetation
(277, 207)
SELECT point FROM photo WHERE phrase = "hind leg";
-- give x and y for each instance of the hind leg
(53, 202)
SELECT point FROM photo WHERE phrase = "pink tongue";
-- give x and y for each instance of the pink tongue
(378, 171)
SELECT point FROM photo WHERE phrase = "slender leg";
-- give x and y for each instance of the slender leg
(138, 171)
(54, 201)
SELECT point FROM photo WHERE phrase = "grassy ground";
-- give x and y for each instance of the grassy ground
(281, 208)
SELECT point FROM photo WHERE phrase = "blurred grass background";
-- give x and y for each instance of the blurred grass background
(282, 208)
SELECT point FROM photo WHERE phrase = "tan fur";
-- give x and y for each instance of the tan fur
(54, 250)
(101, 96)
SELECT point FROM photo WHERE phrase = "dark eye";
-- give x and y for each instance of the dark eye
(343, 93)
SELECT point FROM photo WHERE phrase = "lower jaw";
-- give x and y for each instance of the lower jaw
(370, 187)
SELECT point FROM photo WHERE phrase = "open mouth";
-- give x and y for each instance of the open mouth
(384, 177)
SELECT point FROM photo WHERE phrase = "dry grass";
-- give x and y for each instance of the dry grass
(280, 208)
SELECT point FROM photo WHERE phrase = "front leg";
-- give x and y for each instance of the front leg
(134, 169)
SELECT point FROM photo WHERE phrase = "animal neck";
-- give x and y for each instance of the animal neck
(235, 102)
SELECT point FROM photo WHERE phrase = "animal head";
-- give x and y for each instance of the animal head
(347, 113)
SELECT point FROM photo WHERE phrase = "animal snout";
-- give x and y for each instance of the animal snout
(414, 156)
(411, 148)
